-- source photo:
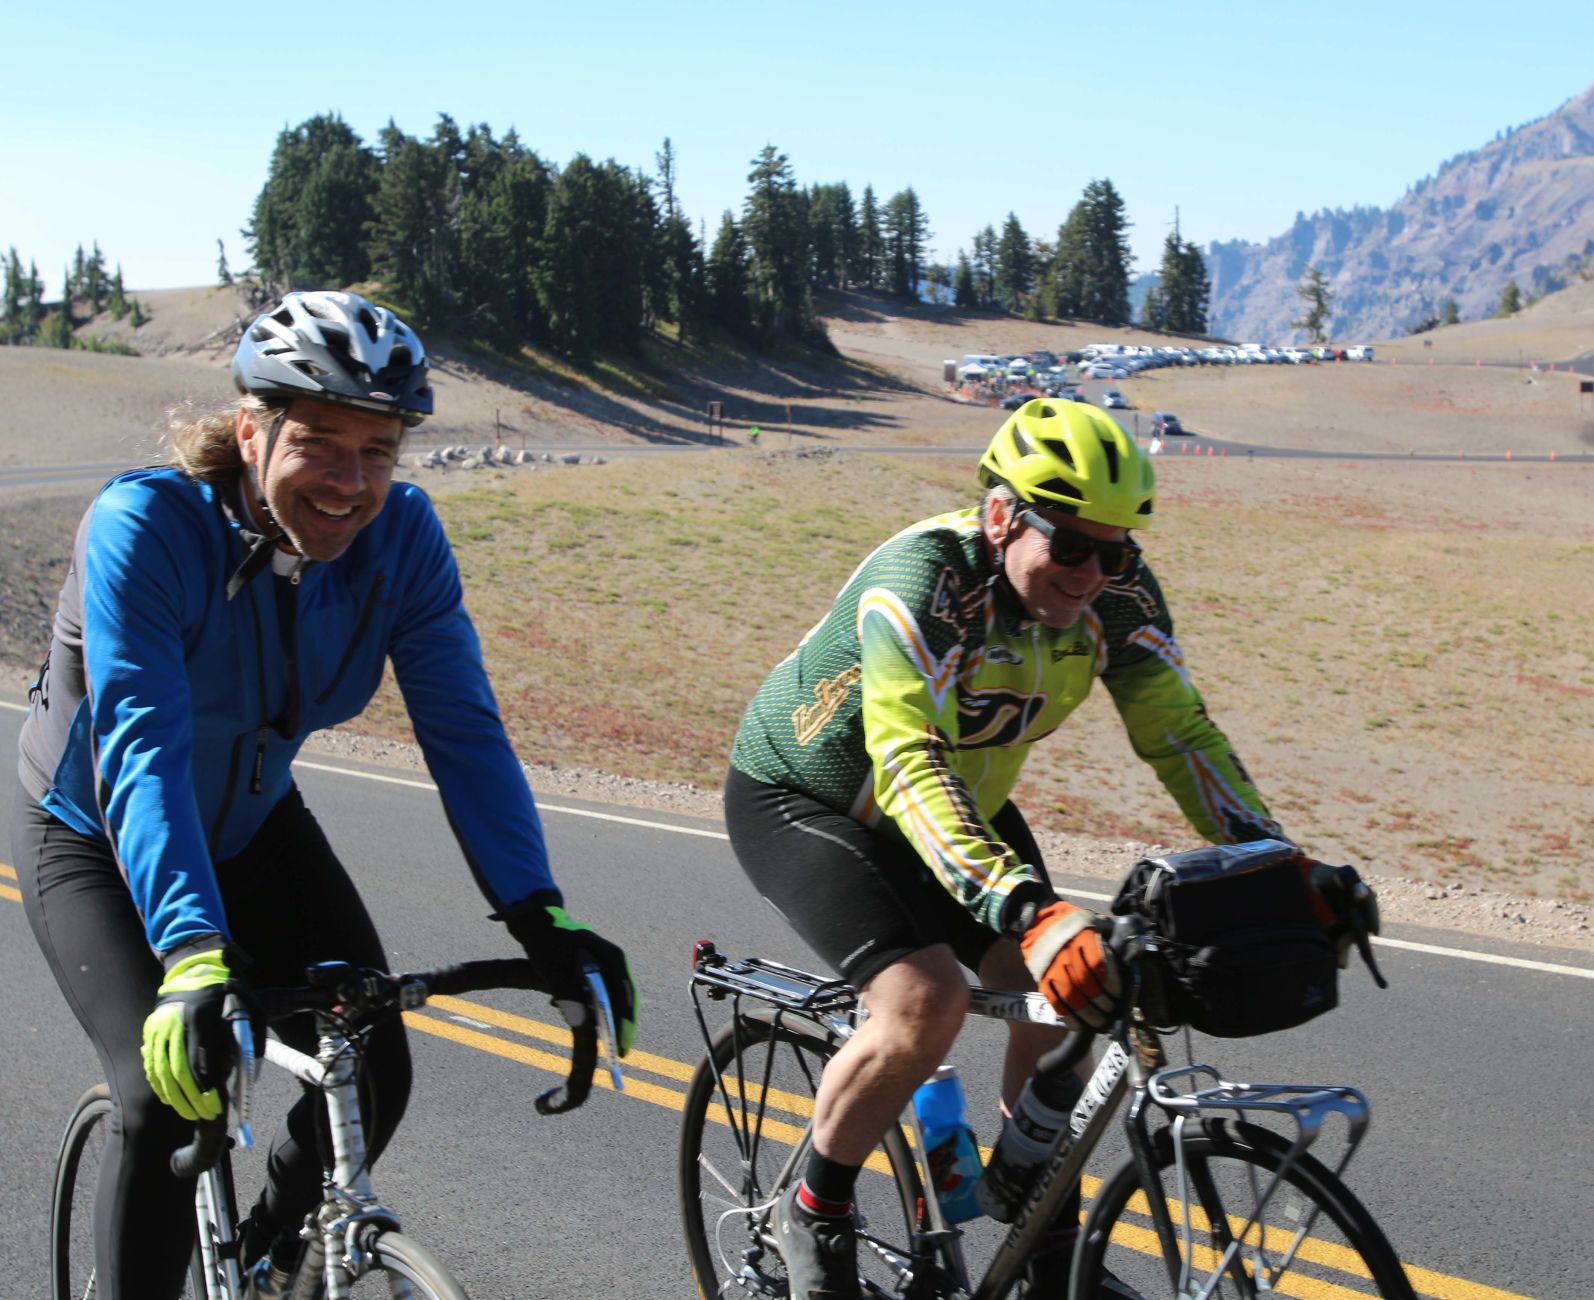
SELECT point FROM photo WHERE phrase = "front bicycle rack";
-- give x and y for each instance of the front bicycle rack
(1177, 1091)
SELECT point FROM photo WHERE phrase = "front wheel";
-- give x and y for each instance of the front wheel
(401, 1269)
(1307, 1236)
(77, 1168)
(72, 1201)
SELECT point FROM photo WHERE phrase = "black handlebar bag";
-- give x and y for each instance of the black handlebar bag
(1240, 952)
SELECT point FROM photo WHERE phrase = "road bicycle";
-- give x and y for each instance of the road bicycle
(1219, 1195)
(353, 1245)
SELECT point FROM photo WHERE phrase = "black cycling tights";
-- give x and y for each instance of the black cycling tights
(289, 903)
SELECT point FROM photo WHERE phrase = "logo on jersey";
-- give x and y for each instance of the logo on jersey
(1059, 653)
(1001, 654)
(947, 598)
(808, 720)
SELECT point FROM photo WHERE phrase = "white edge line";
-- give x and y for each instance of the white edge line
(1464, 954)
(543, 807)
(20, 708)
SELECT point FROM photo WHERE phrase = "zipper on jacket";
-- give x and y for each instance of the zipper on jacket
(354, 641)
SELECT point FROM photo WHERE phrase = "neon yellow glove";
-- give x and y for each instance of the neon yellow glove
(188, 1045)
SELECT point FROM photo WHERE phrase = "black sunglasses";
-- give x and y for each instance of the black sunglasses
(1071, 549)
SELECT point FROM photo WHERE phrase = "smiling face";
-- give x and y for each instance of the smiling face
(1051, 593)
(329, 472)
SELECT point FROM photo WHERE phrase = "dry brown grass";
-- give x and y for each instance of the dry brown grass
(1374, 407)
(1411, 684)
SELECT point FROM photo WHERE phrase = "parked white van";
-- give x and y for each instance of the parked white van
(1360, 353)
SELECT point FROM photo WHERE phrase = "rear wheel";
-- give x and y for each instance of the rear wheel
(1306, 1237)
(741, 1148)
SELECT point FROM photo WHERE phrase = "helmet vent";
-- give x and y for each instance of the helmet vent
(369, 321)
(1062, 451)
(1047, 413)
(1057, 488)
(317, 309)
(1111, 452)
(284, 317)
(1022, 446)
(310, 368)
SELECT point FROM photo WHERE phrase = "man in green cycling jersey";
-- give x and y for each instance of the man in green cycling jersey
(869, 793)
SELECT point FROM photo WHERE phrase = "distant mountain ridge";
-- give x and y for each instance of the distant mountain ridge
(1521, 207)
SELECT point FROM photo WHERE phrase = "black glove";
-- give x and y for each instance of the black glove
(1347, 909)
(561, 947)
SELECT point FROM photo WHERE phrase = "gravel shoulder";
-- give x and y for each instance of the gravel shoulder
(1475, 911)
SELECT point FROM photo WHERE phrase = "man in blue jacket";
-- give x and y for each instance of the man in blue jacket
(216, 612)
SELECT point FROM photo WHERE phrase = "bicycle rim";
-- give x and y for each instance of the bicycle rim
(1308, 1238)
(401, 1269)
(732, 1161)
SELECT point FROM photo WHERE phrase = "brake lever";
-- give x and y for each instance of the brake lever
(1364, 946)
(603, 1010)
(248, 1069)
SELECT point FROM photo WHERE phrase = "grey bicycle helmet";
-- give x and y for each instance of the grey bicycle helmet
(336, 347)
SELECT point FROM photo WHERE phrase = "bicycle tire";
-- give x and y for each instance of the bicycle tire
(72, 1272)
(1344, 1254)
(724, 1192)
(398, 1262)
(71, 1219)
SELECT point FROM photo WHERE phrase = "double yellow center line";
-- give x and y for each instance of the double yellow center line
(546, 1046)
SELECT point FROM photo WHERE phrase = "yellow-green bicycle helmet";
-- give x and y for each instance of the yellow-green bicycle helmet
(1075, 458)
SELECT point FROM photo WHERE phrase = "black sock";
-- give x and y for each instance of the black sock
(828, 1184)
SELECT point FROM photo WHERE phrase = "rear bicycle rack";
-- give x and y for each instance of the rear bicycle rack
(1175, 1091)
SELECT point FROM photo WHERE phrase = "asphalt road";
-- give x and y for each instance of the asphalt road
(1477, 1163)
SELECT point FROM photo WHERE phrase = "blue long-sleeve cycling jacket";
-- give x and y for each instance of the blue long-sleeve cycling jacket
(165, 723)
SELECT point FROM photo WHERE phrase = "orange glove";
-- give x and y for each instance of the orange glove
(1072, 966)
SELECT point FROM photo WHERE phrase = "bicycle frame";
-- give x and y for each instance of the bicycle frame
(334, 1253)
(1133, 1064)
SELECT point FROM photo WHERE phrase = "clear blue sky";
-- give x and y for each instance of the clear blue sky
(149, 127)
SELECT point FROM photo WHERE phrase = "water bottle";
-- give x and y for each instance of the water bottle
(1029, 1138)
(951, 1152)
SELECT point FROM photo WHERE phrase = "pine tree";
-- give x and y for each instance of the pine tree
(964, 293)
(32, 301)
(1184, 289)
(57, 331)
(907, 232)
(11, 305)
(1103, 270)
(1069, 263)
(726, 280)
(984, 266)
(117, 299)
(1449, 313)
(1510, 300)
(775, 227)
(1319, 298)
(94, 281)
(308, 229)
(135, 316)
(410, 231)
(1154, 311)
(223, 274)
(870, 243)
(1015, 270)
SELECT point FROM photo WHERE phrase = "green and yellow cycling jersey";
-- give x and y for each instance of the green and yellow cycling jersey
(917, 698)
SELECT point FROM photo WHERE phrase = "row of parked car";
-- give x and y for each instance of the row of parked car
(1120, 360)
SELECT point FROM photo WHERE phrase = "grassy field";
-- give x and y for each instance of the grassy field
(1410, 687)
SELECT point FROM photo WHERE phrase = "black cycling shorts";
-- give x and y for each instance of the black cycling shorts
(861, 898)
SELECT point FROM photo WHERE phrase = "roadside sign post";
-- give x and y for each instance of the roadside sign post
(716, 421)
(788, 424)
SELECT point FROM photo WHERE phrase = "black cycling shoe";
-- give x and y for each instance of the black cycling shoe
(820, 1254)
